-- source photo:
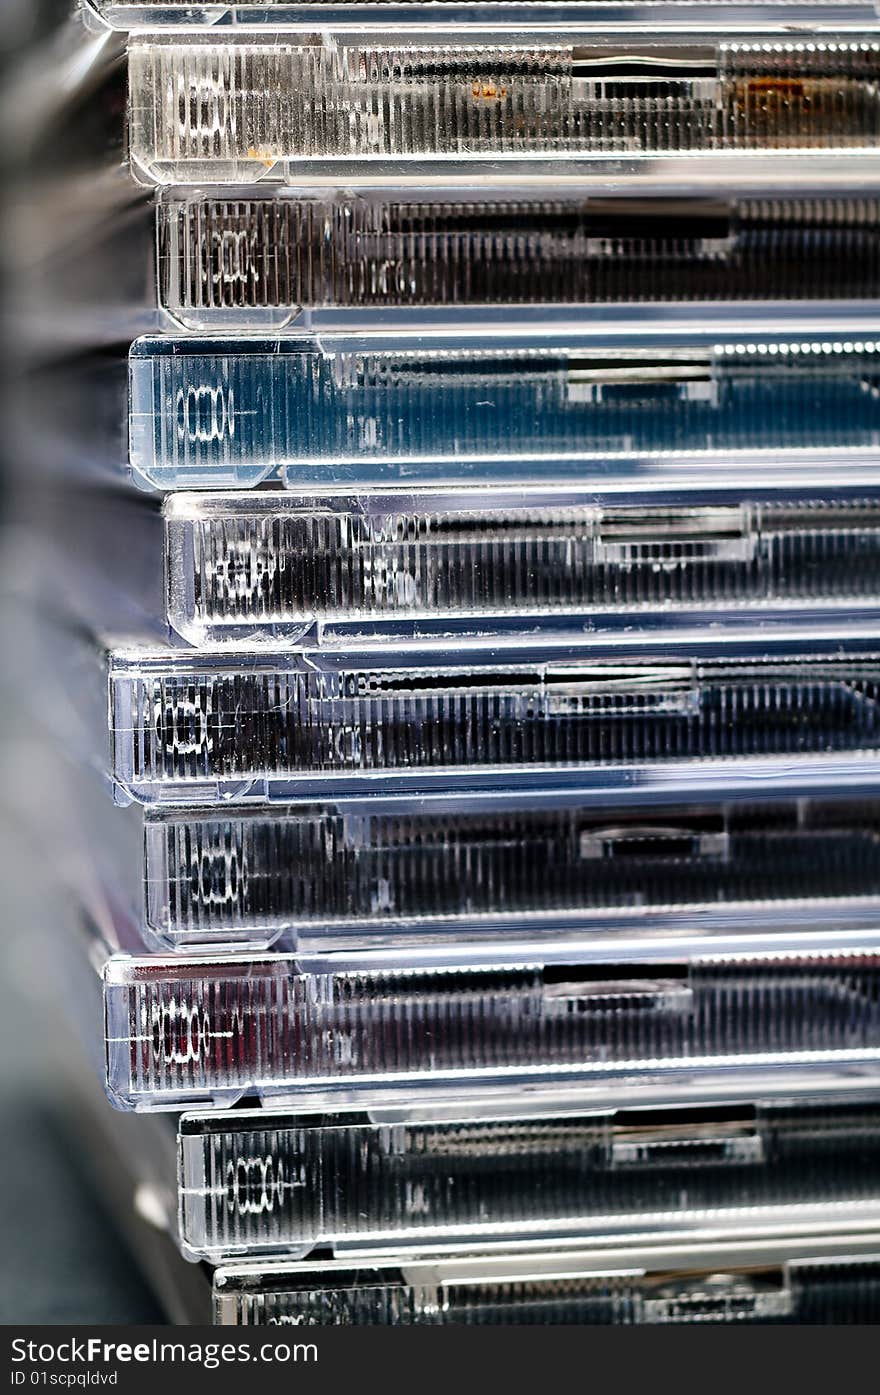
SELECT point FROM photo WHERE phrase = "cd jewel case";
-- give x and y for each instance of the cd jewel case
(268, 260)
(459, 758)
(621, 409)
(621, 412)
(458, 258)
(489, 879)
(616, 719)
(199, 111)
(748, 16)
(742, 1284)
(254, 1182)
(507, 872)
(263, 567)
(276, 568)
(721, 1152)
(216, 1030)
(283, 1284)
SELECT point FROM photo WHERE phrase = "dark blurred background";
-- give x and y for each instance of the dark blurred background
(63, 1261)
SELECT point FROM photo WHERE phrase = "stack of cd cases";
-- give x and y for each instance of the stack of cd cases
(445, 554)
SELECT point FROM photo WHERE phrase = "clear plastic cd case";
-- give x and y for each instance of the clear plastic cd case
(255, 1182)
(212, 261)
(748, 1283)
(460, 794)
(626, 409)
(279, 569)
(271, 567)
(618, 719)
(618, 1032)
(747, 16)
(501, 875)
(205, 1030)
(260, 260)
(551, 104)
(492, 878)
(617, 411)
(242, 1174)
